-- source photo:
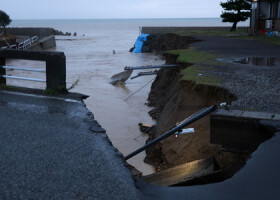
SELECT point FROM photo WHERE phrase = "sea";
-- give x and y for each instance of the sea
(90, 62)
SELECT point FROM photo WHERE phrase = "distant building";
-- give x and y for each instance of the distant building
(265, 15)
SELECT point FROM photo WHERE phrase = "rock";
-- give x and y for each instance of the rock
(131, 50)
(57, 32)
(145, 128)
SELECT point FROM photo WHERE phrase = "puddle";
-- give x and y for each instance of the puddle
(258, 61)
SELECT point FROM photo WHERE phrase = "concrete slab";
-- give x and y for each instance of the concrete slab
(47, 42)
(239, 129)
(258, 180)
(48, 151)
(183, 173)
(248, 114)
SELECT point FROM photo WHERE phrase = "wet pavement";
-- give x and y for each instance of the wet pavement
(52, 148)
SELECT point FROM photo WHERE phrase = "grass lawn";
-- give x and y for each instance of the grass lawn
(201, 61)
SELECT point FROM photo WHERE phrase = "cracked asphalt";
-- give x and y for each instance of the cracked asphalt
(52, 148)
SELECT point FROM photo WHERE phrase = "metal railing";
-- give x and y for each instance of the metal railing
(23, 45)
(27, 43)
(55, 70)
(22, 69)
(175, 130)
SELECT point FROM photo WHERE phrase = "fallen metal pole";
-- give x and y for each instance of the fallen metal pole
(179, 127)
(143, 74)
(151, 67)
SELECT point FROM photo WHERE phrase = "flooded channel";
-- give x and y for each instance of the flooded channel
(91, 62)
(99, 51)
(93, 69)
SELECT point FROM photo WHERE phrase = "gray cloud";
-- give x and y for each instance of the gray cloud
(90, 9)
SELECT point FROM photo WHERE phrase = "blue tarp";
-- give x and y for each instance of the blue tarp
(139, 43)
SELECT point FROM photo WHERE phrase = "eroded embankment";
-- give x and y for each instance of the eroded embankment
(174, 100)
(169, 41)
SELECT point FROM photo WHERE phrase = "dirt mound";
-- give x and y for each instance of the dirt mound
(169, 41)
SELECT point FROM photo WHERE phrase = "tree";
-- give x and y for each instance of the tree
(4, 20)
(235, 11)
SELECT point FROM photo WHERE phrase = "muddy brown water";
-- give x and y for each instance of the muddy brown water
(93, 69)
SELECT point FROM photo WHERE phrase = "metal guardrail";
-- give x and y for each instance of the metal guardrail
(23, 78)
(55, 67)
(23, 45)
(22, 69)
(174, 130)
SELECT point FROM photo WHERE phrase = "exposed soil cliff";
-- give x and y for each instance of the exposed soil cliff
(169, 41)
(174, 100)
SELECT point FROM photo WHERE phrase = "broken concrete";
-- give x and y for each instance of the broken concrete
(238, 129)
(183, 173)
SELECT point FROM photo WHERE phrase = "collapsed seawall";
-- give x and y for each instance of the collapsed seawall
(175, 98)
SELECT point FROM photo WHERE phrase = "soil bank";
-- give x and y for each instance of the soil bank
(175, 98)
(174, 101)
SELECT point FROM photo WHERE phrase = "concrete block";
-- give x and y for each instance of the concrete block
(181, 174)
(47, 42)
(239, 129)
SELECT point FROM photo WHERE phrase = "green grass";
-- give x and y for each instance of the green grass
(198, 71)
(191, 55)
(211, 33)
(199, 76)
(242, 32)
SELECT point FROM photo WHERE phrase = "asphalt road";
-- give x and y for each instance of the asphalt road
(52, 148)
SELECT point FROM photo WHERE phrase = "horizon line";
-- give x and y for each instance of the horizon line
(123, 18)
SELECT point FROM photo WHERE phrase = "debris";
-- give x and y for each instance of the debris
(144, 74)
(145, 127)
(121, 77)
(184, 131)
(151, 67)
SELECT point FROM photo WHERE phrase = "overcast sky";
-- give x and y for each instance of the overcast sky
(107, 9)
